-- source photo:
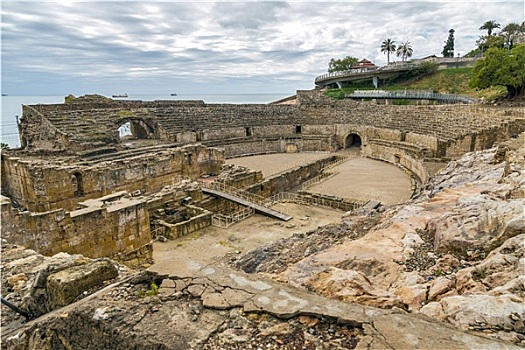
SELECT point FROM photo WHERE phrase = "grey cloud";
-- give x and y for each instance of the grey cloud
(155, 44)
(244, 15)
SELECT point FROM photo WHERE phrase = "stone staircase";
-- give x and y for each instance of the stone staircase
(90, 158)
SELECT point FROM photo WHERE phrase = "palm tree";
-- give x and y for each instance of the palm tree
(404, 50)
(490, 26)
(509, 32)
(386, 47)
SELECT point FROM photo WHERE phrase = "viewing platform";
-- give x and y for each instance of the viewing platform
(343, 78)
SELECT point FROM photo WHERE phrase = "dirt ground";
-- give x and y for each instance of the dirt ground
(211, 244)
(358, 178)
(365, 178)
(272, 164)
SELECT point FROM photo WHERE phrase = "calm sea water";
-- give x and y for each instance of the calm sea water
(12, 106)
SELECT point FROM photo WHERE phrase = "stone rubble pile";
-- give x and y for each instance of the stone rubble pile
(38, 284)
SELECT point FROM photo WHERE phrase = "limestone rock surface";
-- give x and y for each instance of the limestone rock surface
(38, 284)
(460, 241)
(235, 310)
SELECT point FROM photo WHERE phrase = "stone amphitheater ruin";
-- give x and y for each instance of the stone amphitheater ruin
(381, 276)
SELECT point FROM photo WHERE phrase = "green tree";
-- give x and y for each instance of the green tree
(489, 26)
(341, 64)
(502, 67)
(448, 49)
(509, 33)
(404, 50)
(484, 43)
(4, 145)
(387, 47)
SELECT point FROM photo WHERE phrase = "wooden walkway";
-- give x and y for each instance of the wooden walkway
(257, 207)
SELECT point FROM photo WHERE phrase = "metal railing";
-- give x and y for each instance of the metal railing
(345, 73)
(316, 179)
(398, 66)
(325, 175)
(221, 186)
(311, 200)
(225, 221)
(338, 161)
(410, 95)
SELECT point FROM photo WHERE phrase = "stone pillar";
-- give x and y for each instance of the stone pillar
(375, 80)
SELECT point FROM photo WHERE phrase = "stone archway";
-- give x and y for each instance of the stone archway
(353, 140)
(135, 129)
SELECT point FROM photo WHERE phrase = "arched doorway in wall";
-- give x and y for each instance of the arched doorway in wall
(135, 129)
(353, 140)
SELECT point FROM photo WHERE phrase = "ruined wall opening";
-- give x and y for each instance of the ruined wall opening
(78, 186)
(135, 129)
(124, 130)
(353, 140)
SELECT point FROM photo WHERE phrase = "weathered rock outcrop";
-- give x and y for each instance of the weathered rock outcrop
(218, 308)
(458, 244)
(39, 284)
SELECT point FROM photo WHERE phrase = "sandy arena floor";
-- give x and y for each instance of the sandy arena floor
(357, 178)
(198, 249)
(272, 164)
(364, 178)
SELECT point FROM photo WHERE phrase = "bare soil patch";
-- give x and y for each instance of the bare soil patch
(213, 244)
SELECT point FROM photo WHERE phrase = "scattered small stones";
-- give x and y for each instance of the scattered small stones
(261, 331)
(275, 257)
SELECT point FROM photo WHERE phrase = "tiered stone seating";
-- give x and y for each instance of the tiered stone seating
(94, 124)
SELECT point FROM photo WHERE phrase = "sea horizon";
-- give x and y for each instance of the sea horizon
(12, 105)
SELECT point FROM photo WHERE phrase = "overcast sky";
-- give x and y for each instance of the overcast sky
(217, 47)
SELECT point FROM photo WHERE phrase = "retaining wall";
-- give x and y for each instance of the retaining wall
(290, 179)
(120, 231)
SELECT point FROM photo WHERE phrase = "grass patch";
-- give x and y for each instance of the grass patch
(154, 290)
(400, 102)
(479, 273)
(453, 81)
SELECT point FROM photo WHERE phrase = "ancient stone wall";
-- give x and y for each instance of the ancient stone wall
(113, 226)
(46, 185)
(198, 219)
(392, 153)
(93, 124)
(116, 225)
(38, 132)
(285, 181)
(289, 144)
